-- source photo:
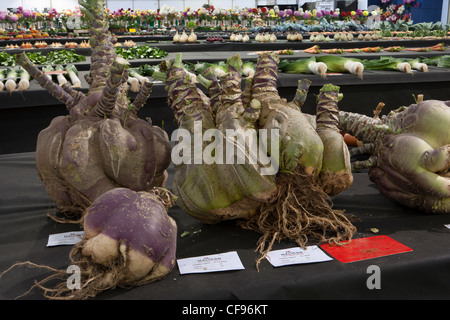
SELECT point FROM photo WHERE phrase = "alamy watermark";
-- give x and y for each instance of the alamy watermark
(74, 280)
(374, 280)
(236, 146)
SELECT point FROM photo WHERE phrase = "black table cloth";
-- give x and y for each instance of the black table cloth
(423, 273)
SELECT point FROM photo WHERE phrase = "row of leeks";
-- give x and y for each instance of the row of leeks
(14, 79)
(323, 64)
(62, 73)
(320, 65)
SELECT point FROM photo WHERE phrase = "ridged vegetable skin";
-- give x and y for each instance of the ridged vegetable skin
(409, 153)
(291, 203)
(101, 144)
(105, 168)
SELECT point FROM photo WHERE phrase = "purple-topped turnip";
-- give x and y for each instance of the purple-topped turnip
(129, 240)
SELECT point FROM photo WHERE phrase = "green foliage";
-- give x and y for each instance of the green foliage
(141, 52)
(53, 57)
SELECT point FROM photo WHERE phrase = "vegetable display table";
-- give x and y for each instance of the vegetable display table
(419, 274)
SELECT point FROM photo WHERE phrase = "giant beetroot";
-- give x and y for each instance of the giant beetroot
(101, 144)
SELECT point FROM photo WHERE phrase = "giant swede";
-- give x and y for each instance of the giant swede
(129, 240)
(409, 153)
(101, 144)
(290, 203)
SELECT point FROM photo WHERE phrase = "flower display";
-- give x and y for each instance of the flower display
(208, 16)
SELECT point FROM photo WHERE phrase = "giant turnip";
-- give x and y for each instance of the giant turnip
(101, 144)
(129, 240)
(409, 153)
(291, 202)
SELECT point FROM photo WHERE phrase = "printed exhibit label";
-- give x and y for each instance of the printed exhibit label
(210, 263)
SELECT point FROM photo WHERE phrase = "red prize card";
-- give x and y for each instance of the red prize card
(365, 248)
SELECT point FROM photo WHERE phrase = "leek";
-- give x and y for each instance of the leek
(388, 63)
(248, 69)
(48, 69)
(11, 76)
(60, 77)
(304, 65)
(439, 61)
(343, 64)
(2, 77)
(72, 72)
(24, 82)
(146, 69)
(418, 65)
(136, 73)
(134, 84)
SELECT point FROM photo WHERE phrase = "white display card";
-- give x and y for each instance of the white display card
(297, 255)
(65, 239)
(210, 263)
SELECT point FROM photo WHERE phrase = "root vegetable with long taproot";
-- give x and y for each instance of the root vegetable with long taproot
(129, 240)
(289, 203)
(105, 168)
(409, 153)
(101, 144)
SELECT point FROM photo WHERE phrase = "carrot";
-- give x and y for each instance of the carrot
(371, 49)
(418, 49)
(313, 49)
(394, 49)
(437, 47)
(352, 50)
(333, 51)
(349, 139)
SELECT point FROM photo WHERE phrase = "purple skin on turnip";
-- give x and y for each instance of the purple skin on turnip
(107, 167)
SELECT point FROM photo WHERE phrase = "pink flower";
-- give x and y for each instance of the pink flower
(26, 13)
(13, 18)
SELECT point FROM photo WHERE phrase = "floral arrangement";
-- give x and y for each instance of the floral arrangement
(209, 16)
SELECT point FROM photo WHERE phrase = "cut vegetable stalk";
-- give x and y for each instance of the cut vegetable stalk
(248, 69)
